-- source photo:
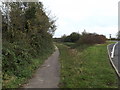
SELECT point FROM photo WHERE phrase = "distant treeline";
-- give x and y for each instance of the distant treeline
(84, 38)
(114, 39)
(27, 32)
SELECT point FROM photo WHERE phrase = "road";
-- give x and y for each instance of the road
(47, 76)
(115, 58)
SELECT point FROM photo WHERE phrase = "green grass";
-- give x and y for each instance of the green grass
(70, 44)
(27, 72)
(86, 67)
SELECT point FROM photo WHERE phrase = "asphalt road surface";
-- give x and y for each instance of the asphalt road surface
(116, 55)
(47, 76)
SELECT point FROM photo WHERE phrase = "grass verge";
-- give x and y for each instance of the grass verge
(86, 68)
(27, 72)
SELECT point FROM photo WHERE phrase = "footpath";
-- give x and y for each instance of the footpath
(47, 76)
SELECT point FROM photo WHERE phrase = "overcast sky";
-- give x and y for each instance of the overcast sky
(99, 16)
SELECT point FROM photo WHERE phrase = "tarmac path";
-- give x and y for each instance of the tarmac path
(47, 76)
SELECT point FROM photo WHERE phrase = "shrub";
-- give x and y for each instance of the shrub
(28, 36)
(91, 38)
(73, 37)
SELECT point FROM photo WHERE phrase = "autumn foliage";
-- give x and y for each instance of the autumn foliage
(91, 38)
(84, 38)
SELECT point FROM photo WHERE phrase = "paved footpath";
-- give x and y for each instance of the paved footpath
(47, 76)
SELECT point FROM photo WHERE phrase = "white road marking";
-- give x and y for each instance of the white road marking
(112, 62)
(113, 50)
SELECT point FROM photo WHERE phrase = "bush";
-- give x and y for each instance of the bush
(28, 36)
(73, 37)
(91, 38)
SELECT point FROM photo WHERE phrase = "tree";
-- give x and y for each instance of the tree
(74, 36)
(63, 38)
(29, 36)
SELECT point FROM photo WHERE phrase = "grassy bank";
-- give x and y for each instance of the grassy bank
(25, 72)
(86, 67)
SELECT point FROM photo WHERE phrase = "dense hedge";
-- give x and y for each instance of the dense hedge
(84, 38)
(91, 38)
(27, 35)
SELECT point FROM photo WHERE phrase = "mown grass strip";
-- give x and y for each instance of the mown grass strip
(86, 68)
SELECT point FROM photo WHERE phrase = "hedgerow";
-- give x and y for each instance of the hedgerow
(84, 38)
(27, 40)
